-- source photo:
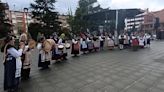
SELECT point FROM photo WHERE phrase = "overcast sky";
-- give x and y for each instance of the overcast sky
(63, 5)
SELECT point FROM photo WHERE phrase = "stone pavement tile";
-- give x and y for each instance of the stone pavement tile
(104, 68)
(33, 88)
(133, 77)
(109, 88)
(67, 89)
(40, 79)
(119, 85)
(134, 90)
(91, 74)
(61, 84)
(138, 74)
(1, 90)
(160, 86)
(147, 69)
(107, 80)
(55, 81)
(48, 89)
(127, 71)
(86, 89)
(155, 90)
(98, 84)
(43, 84)
(81, 77)
(127, 81)
(147, 82)
(78, 85)
(141, 86)
(90, 80)
(162, 81)
(73, 80)
(88, 75)
(106, 74)
(115, 77)
(143, 71)
(156, 74)
(98, 77)
(153, 78)
(113, 71)
(123, 75)
(119, 69)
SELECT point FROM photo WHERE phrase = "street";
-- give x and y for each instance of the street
(104, 71)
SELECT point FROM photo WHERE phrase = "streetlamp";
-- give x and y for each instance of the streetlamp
(116, 29)
(26, 12)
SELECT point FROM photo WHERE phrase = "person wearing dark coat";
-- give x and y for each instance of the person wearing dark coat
(10, 56)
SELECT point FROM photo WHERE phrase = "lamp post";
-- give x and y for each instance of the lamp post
(116, 29)
(26, 12)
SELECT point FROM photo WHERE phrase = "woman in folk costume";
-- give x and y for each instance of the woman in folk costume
(96, 43)
(61, 50)
(18, 67)
(84, 47)
(102, 39)
(45, 56)
(135, 43)
(10, 62)
(126, 40)
(121, 42)
(75, 47)
(58, 50)
(65, 50)
(106, 41)
(110, 43)
(26, 59)
(90, 44)
(141, 42)
(147, 38)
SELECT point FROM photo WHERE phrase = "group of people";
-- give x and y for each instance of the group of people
(96, 43)
(17, 62)
(134, 40)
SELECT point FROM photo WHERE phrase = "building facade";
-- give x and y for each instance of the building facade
(20, 21)
(135, 23)
(107, 19)
(146, 22)
(154, 21)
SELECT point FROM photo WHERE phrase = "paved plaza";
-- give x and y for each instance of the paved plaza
(105, 71)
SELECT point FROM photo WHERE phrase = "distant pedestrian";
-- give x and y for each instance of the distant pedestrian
(96, 43)
(102, 39)
(90, 44)
(148, 38)
(126, 41)
(135, 43)
(141, 42)
(121, 42)
(110, 43)
(75, 47)
(84, 47)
